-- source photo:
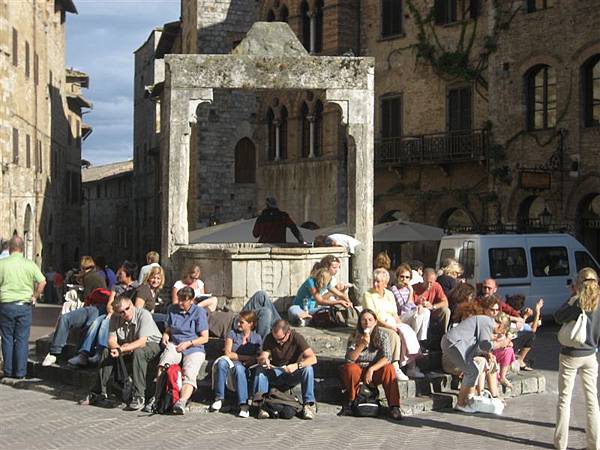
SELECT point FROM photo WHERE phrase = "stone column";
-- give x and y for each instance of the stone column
(358, 116)
(311, 136)
(179, 112)
(313, 31)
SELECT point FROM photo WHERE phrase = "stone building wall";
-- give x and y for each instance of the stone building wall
(146, 143)
(34, 103)
(108, 193)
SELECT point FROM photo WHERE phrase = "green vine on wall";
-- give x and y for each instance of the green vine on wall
(459, 61)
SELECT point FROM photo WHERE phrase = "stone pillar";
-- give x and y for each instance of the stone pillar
(358, 116)
(179, 112)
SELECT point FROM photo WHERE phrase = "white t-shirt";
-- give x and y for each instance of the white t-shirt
(198, 292)
(144, 271)
(345, 241)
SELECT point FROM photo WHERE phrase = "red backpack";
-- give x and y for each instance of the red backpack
(168, 387)
(98, 296)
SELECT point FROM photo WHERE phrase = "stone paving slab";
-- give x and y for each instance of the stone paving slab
(37, 420)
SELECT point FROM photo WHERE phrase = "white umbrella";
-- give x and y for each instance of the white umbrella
(403, 231)
(230, 232)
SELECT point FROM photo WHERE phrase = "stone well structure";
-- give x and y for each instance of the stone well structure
(269, 58)
(233, 272)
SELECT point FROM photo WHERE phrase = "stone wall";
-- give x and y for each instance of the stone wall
(35, 189)
(233, 272)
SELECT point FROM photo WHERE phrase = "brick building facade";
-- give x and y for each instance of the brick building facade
(486, 115)
(41, 130)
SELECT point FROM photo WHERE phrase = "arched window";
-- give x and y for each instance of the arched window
(305, 17)
(245, 161)
(540, 86)
(318, 129)
(272, 135)
(283, 117)
(312, 26)
(283, 14)
(590, 78)
(305, 131)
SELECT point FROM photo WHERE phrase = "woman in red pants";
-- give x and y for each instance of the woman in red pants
(369, 358)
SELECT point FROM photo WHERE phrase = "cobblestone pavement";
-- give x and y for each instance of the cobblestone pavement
(31, 420)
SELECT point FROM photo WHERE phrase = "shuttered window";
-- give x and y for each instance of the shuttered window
(460, 109)
(391, 17)
(391, 117)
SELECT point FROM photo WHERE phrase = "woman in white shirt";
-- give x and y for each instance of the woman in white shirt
(191, 278)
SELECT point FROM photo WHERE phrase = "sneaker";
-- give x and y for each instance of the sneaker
(49, 360)
(466, 409)
(395, 413)
(244, 411)
(415, 372)
(149, 406)
(262, 414)
(136, 404)
(400, 375)
(216, 406)
(94, 360)
(309, 411)
(179, 407)
(79, 360)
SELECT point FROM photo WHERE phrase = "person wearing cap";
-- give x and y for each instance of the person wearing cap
(271, 224)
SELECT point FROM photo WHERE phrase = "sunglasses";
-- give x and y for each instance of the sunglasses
(123, 311)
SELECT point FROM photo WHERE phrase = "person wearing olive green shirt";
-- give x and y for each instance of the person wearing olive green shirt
(21, 284)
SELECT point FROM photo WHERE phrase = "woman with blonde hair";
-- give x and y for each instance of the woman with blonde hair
(451, 271)
(581, 359)
(191, 278)
(383, 261)
(311, 295)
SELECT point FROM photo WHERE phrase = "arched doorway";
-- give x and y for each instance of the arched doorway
(457, 220)
(533, 215)
(245, 161)
(588, 223)
(28, 232)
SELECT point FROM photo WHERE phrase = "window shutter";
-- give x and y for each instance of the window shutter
(441, 12)
(474, 9)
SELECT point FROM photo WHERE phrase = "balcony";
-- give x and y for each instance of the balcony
(441, 148)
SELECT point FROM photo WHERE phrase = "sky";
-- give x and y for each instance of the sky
(101, 40)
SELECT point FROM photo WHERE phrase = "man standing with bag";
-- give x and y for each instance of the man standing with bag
(21, 285)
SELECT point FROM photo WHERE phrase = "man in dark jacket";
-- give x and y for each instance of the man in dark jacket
(270, 226)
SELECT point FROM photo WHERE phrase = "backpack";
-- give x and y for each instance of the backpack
(122, 383)
(168, 387)
(366, 403)
(281, 405)
(323, 318)
(98, 297)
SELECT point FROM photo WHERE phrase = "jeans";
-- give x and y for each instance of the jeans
(96, 336)
(15, 324)
(266, 313)
(79, 318)
(141, 359)
(241, 380)
(294, 312)
(569, 366)
(281, 380)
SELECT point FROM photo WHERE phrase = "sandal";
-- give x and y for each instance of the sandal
(525, 368)
(507, 384)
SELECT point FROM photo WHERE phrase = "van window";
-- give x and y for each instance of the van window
(445, 254)
(583, 259)
(549, 261)
(508, 262)
(467, 259)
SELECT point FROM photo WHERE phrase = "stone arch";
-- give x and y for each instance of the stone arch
(585, 52)
(456, 218)
(539, 59)
(529, 213)
(588, 184)
(28, 230)
(587, 222)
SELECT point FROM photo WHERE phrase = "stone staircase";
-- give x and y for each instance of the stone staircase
(436, 391)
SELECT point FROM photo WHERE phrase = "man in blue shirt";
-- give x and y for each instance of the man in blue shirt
(184, 339)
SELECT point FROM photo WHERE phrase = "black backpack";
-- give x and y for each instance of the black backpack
(366, 403)
(281, 405)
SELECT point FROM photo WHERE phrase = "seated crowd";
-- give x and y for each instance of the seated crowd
(395, 323)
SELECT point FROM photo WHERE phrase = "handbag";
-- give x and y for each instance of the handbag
(366, 403)
(123, 382)
(574, 332)
(485, 403)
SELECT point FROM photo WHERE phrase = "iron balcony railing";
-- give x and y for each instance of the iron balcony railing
(440, 148)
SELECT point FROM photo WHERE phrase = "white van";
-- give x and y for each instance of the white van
(534, 265)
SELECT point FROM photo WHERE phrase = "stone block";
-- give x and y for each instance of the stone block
(253, 277)
(281, 278)
(238, 277)
(541, 383)
(529, 385)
